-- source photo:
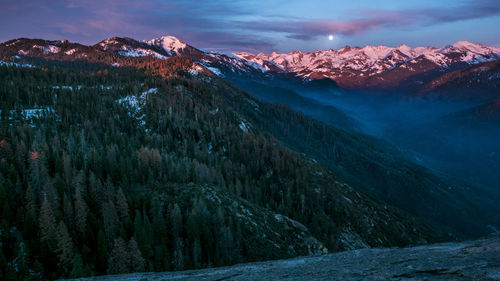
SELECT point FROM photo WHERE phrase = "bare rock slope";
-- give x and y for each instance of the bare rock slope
(471, 260)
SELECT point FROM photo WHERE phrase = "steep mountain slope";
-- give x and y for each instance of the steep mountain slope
(164, 165)
(119, 51)
(363, 162)
(487, 114)
(479, 82)
(285, 96)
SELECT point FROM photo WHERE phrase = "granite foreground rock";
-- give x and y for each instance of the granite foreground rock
(470, 260)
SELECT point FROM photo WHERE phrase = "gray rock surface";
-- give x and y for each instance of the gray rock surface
(471, 260)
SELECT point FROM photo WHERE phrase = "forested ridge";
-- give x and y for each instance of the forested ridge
(112, 170)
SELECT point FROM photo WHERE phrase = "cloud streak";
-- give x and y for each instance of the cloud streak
(372, 19)
(218, 24)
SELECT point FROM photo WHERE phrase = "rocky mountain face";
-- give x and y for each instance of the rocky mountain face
(471, 260)
(379, 67)
(478, 82)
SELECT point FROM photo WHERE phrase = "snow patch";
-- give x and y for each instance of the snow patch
(136, 103)
(32, 113)
(195, 69)
(169, 43)
(243, 127)
(67, 87)
(48, 49)
(70, 52)
(15, 64)
(215, 71)
(140, 53)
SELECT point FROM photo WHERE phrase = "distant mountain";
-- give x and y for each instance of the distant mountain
(476, 82)
(485, 115)
(378, 67)
(420, 69)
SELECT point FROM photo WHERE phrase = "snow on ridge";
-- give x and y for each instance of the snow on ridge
(70, 52)
(169, 43)
(15, 64)
(214, 70)
(13, 43)
(195, 69)
(136, 102)
(108, 41)
(139, 52)
(258, 64)
(48, 49)
(371, 59)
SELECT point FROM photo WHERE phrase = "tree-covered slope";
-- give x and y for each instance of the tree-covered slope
(159, 166)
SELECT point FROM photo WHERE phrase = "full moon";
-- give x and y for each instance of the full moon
(330, 37)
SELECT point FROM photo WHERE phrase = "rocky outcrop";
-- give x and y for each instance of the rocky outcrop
(471, 260)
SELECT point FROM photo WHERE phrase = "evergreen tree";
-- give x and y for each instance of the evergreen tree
(118, 261)
(78, 270)
(65, 248)
(137, 262)
(47, 221)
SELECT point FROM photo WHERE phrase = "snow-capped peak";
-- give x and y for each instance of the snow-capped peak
(466, 45)
(373, 60)
(169, 43)
(473, 47)
(108, 42)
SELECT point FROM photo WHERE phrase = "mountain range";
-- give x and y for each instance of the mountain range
(378, 67)
(369, 68)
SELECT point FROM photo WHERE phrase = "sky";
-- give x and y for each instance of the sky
(258, 25)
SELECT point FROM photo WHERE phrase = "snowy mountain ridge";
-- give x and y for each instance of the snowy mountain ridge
(168, 43)
(369, 67)
(372, 60)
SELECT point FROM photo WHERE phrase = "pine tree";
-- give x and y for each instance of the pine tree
(178, 261)
(196, 258)
(31, 202)
(68, 213)
(81, 211)
(111, 221)
(78, 269)
(175, 220)
(118, 261)
(65, 248)
(47, 221)
(137, 262)
(101, 252)
(121, 205)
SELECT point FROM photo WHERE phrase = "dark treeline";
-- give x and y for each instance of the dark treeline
(90, 185)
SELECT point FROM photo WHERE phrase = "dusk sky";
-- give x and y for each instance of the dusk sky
(257, 26)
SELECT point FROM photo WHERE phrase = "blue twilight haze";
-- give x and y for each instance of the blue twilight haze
(257, 26)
